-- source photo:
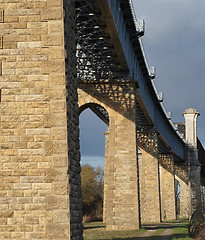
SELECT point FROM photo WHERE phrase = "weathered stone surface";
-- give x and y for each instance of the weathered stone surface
(149, 177)
(36, 119)
(167, 187)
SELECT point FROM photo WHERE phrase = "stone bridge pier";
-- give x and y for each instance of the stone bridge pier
(149, 177)
(167, 186)
(121, 174)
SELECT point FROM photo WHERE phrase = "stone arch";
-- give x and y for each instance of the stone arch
(100, 111)
(87, 101)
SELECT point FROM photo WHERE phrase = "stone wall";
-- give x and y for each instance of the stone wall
(35, 187)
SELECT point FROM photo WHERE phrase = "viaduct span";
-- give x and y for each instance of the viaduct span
(57, 58)
(116, 83)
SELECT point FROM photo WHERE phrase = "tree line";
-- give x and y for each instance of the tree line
(92, 185)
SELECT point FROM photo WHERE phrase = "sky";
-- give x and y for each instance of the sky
(174, 44)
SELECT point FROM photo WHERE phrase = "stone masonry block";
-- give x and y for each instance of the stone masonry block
(21, 12)
(55, 27)
(58, 134)
(53, 175)
(11, 19)
(61, 216)
(54, 3)
(59, 188)
(56, 53)
(52, 40)
(58, 107)
(57, 231)
(57, 147)
(50, 93)
(51, 14)
(57, 79)
(54, 67)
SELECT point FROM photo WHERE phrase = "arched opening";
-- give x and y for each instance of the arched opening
(94, 122)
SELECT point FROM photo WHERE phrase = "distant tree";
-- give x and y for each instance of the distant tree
(92, 184)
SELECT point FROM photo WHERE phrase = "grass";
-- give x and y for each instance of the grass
(181, 232)
(97, 231)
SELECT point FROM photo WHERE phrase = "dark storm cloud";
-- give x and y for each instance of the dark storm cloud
(174, 43)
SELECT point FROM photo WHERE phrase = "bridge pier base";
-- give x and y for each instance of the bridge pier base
(149, 178)
(122, 179)
(167, 187)
(195, 189)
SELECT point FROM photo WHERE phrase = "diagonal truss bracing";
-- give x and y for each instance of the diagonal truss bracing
(96, 59)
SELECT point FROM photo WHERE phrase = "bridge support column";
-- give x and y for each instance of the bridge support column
(167, 187)
(181, 175)
(195, 185)
(122, 179)
(39, 146)
(149, 177)
(194, 180)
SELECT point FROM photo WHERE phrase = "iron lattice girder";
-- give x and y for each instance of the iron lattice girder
(101, 113)
(95, 57)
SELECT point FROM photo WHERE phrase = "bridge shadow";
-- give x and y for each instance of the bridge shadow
(165, 226)
(161, 236)
(94, 227)
(120, 95)
(174, 236)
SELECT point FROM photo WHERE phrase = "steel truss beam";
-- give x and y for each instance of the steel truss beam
(95, 57)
